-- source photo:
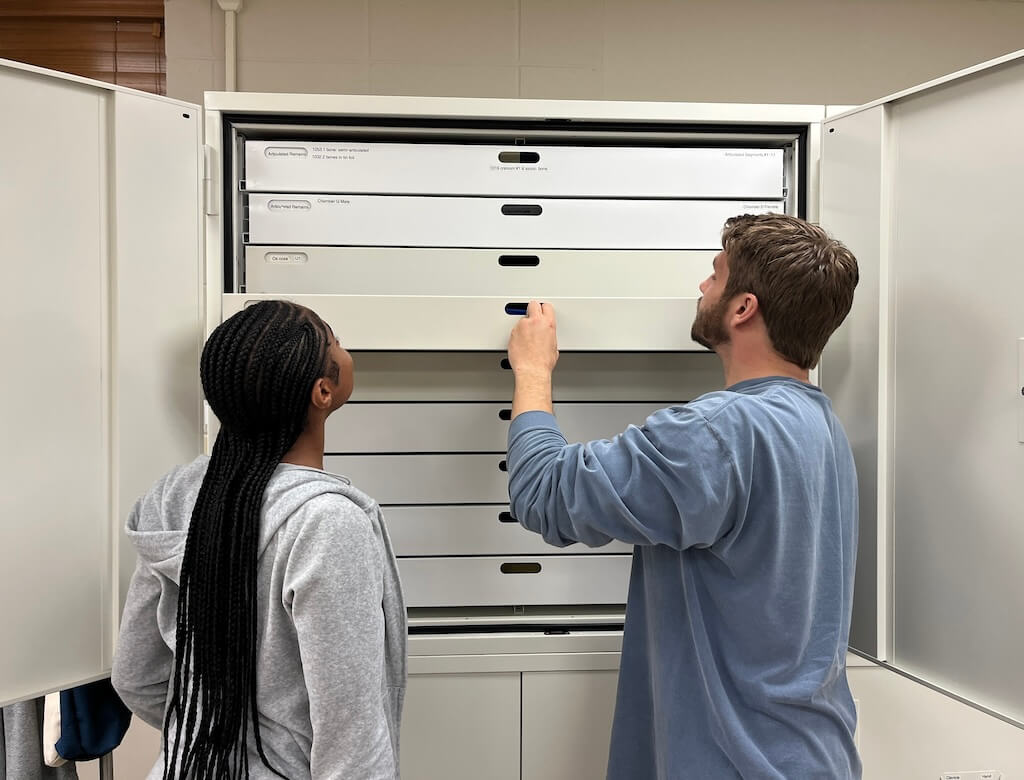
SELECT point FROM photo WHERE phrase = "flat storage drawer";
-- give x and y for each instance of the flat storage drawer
(564, 223)
(412, 322)
(464, 427)
(472, 530)
(425, 479)
(515, 580)
(516, 272)
(476, 169)
(579, 376)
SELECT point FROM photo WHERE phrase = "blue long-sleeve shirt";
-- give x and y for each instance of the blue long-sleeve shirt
(743, 508)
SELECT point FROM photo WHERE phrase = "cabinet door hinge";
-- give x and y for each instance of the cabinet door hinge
(209, 181)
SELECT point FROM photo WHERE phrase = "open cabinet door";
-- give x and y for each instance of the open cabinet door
(100, 332)
(926, 187)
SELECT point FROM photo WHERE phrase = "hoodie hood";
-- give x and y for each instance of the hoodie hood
(158, 525)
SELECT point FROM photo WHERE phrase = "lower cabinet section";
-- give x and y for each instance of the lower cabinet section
(461, 727)
(567, 724)
(521, 726)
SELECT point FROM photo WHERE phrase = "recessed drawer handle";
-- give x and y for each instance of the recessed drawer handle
(504, 414)
(519, 261)
(518, 157)
(520, 568)
(502, 465)
(506, 517)
(515, 308)
(521, 210)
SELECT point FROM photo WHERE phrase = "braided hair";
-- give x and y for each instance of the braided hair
(258, 369)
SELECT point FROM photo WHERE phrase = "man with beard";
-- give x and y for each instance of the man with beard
(742, 506)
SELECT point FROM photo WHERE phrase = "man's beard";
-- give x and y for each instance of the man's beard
(708, 328)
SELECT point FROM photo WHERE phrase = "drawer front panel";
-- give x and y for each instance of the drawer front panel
(513, 272)
(579, 376)
(385, 322)
(472, 530)
(462, 427)
(425, 479)
(370, 220)
(477, 169)
(515, 580)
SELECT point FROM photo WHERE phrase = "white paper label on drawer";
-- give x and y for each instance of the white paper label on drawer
(477, 169)
(565, 223)
(286, 258)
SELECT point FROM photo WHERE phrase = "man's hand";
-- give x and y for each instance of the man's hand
(533, 353)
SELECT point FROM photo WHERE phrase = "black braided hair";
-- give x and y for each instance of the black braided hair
(258, 369)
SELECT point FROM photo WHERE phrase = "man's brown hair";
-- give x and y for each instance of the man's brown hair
(803, 280)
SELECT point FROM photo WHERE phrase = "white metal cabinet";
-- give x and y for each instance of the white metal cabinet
(101, 323)
(920, 112)
(409, 246)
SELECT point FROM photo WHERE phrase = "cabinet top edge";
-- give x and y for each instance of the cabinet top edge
(509, 108)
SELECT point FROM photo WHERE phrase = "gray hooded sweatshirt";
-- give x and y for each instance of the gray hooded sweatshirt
(331, 624)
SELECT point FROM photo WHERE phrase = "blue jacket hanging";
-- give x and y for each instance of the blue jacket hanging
(93, 721)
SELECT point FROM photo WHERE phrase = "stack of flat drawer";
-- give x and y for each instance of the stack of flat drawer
(421, 255)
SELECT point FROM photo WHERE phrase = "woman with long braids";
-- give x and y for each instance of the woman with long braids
(264, 630)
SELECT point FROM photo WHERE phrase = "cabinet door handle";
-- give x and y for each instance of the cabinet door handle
(515, 308)
(518, 261)
(504, 414)
(520, 568)
(522, 210)
(506, 517)
(505, 364)
(502, 465)
(518, 157)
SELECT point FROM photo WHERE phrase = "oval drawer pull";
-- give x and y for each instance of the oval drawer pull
(518, 261)
(502, 465)
(515, 308)
(518, 157)
(506, 517)
(521, 210)
(504, 414)
(520, 568)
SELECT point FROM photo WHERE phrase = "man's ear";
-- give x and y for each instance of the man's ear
(321, 395)
(744, 308)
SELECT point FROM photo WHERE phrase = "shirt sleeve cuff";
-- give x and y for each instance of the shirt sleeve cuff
(532, 419)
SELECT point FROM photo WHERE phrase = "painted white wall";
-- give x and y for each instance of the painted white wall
(784, 51)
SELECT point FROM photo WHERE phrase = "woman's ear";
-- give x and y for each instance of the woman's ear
(322, 394)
